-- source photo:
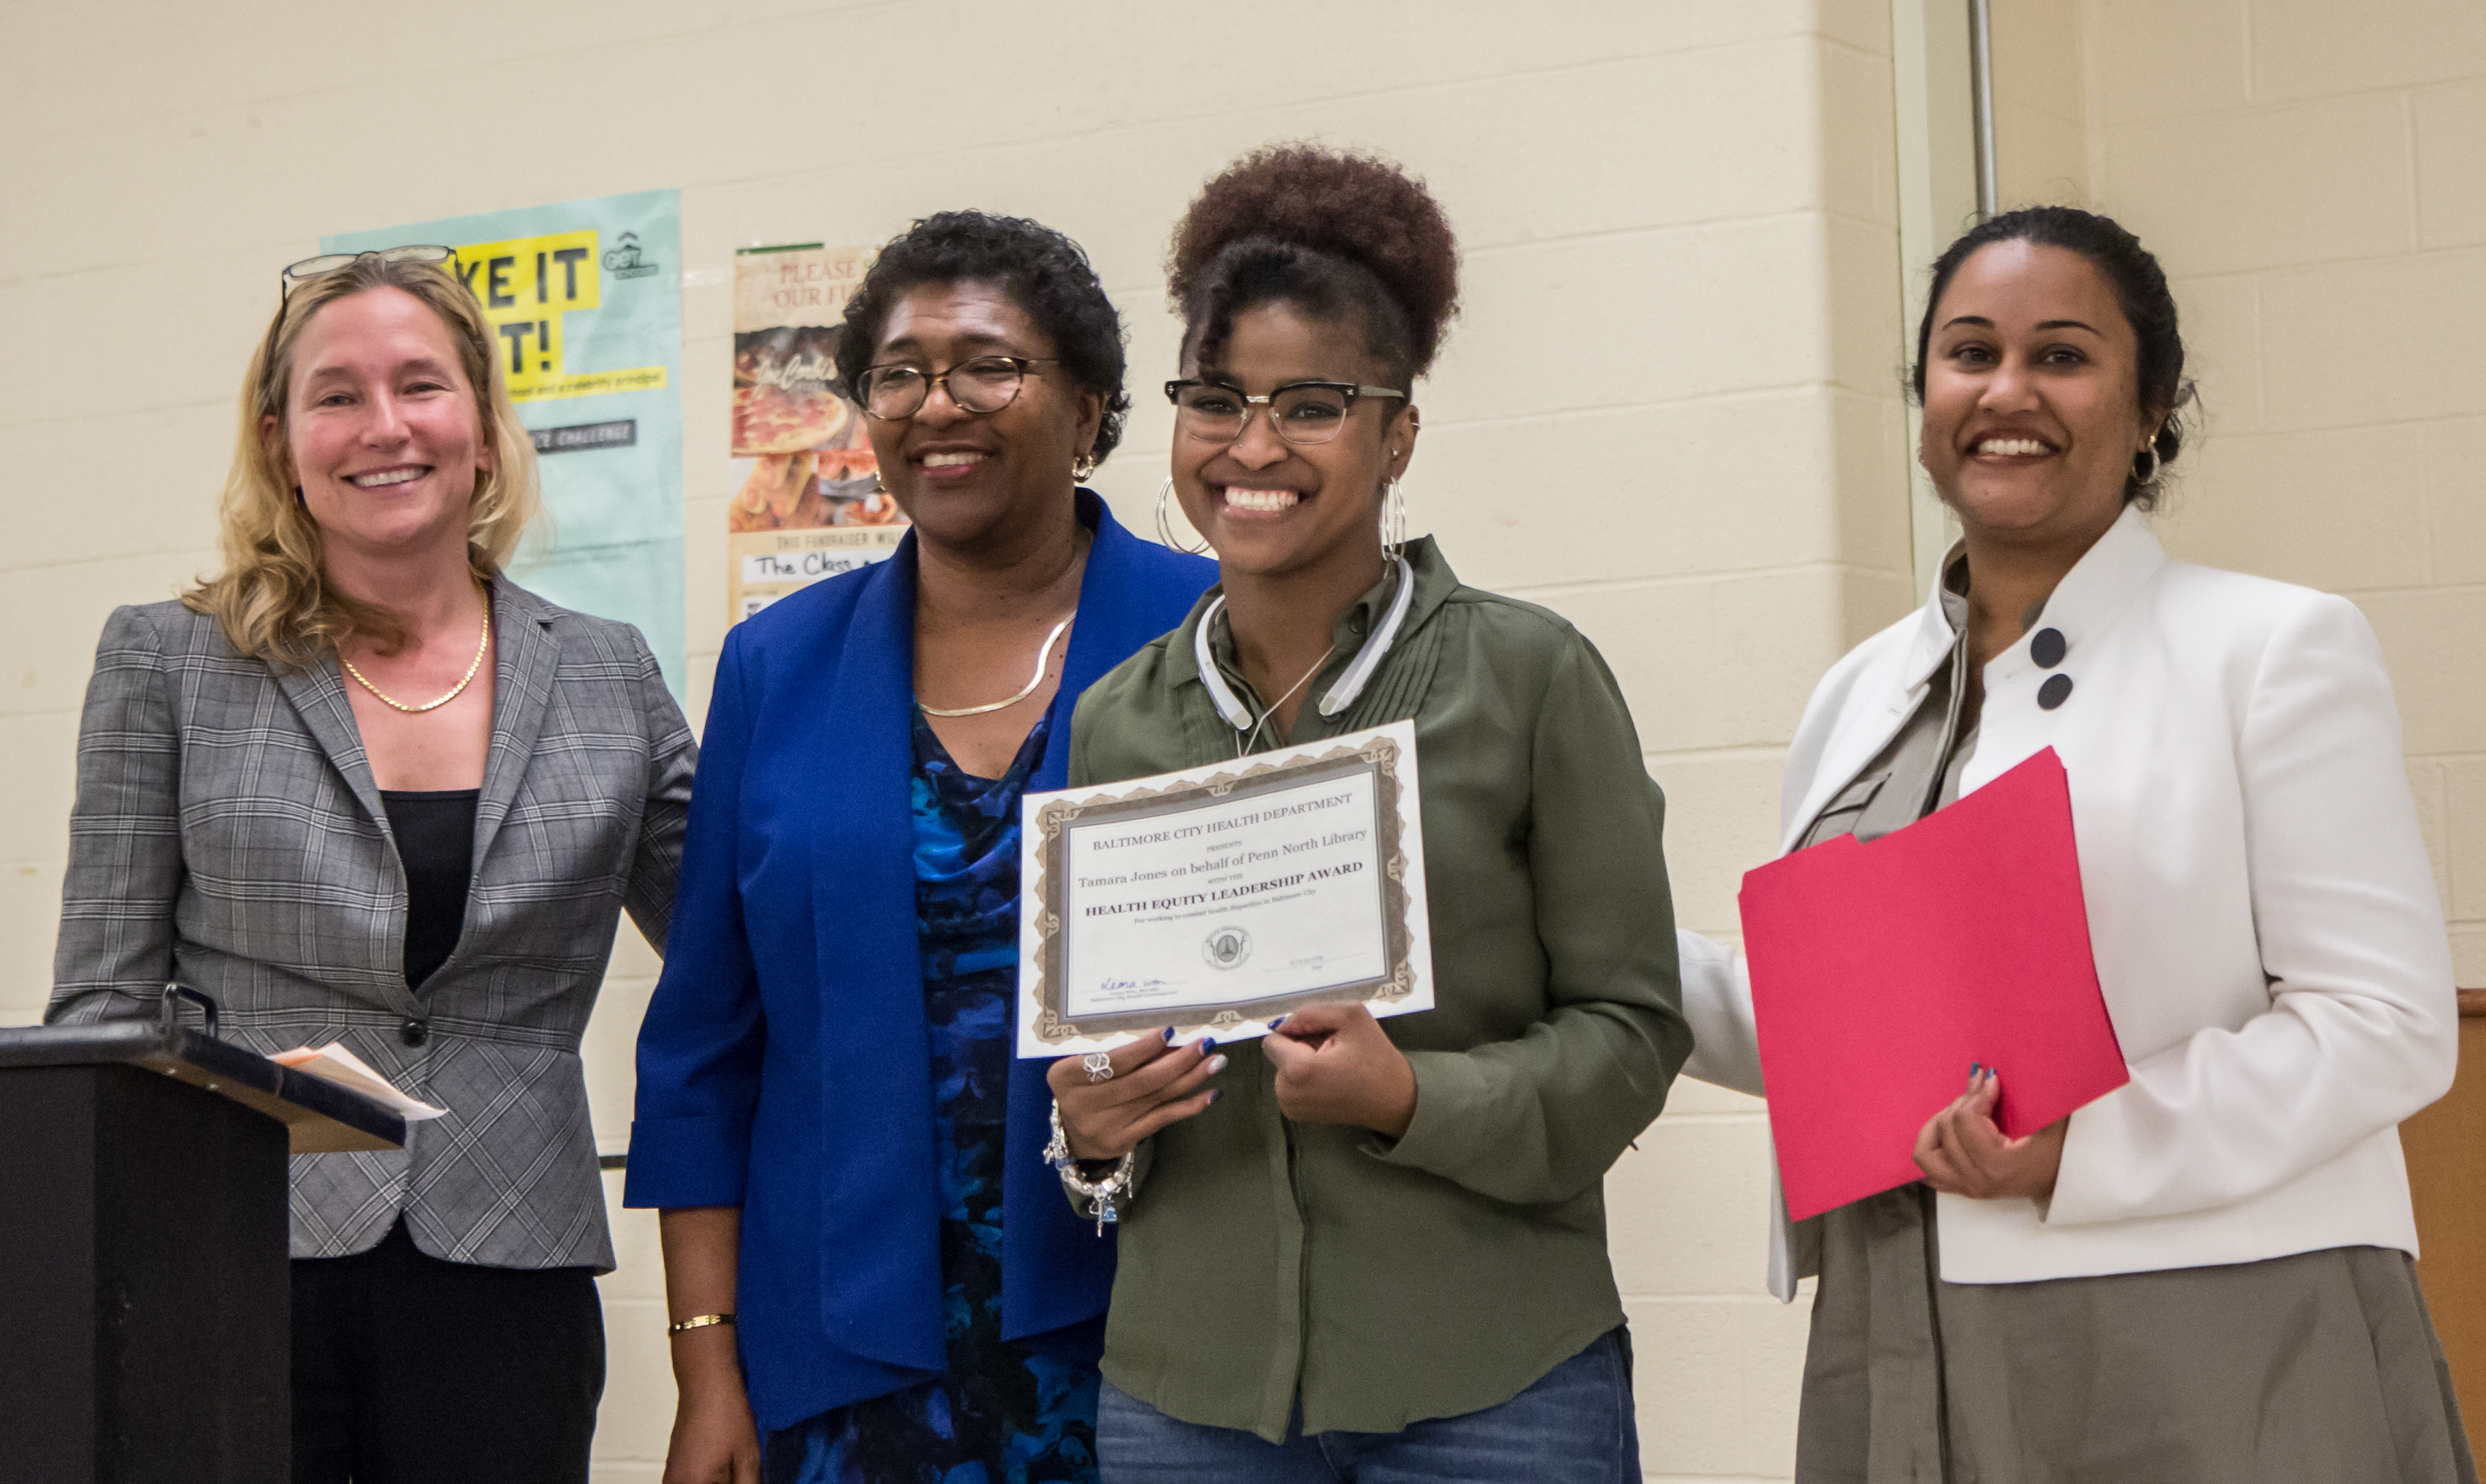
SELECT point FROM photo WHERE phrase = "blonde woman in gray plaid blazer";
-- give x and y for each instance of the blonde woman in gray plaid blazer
(361, 787)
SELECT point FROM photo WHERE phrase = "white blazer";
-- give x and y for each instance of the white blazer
(2261, 905)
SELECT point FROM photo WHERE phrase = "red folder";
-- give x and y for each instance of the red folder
(1882, 972)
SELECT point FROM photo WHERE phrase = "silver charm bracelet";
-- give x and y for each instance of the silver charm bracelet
(1101, 1194)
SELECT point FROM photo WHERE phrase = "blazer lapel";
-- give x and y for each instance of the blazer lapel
(318, 698)
(881, 1212)
(1870, 724)
(526, 656)
(1110, 628)
(317, 695)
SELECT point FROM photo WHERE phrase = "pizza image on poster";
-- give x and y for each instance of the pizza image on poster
(784, 397)
(807, 501)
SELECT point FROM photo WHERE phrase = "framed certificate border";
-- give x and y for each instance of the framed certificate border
(1384, 755)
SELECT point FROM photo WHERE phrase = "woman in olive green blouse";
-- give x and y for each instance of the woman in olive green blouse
(1382, 1249)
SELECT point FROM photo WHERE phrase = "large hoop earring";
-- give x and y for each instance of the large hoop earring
(2145, 466)
(1165, 527)
(1393, 519)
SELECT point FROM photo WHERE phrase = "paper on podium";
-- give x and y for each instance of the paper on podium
(1881, 971)
(333, 1062)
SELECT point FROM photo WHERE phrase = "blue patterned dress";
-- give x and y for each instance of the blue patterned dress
(1004, 1413)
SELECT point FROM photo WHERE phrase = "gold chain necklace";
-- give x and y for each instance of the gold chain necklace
(387, 700)
(1043, 662)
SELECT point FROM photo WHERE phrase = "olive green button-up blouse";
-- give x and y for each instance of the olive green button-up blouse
(1265, 1261)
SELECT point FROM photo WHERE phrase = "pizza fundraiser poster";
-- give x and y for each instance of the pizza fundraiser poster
(807, 501)
(585, 298)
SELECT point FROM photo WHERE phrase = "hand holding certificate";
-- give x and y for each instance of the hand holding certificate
(1219, 898)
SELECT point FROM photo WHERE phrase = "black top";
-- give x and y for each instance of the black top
(435, 838)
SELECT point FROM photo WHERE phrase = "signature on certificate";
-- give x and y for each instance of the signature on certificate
(1108, 986)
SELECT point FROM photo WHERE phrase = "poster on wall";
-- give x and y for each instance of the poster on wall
(807, 501)
(586, 298)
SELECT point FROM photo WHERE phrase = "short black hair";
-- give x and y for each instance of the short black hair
(1045, 274)
(1340, 235)
(2140, 291)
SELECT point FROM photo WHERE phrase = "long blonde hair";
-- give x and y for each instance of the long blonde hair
(272, 599)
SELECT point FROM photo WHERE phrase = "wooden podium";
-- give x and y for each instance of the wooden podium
(2447, 1161)
(145, 1297)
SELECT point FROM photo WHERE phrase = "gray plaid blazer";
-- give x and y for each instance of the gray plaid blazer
(228, 834)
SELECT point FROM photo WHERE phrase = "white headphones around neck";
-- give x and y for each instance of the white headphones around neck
(1340, 696)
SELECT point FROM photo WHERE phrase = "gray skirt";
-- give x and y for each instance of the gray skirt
(2317, 1368)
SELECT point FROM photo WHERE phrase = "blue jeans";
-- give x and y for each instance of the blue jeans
(1574, 1426)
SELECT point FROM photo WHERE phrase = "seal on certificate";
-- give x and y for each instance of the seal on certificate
(1227, 948)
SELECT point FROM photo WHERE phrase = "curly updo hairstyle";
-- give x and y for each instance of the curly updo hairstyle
(1338, 234)
(1045, 274)
(2141, 291)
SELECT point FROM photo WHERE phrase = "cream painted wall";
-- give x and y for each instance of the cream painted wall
(1671, 412)
(1687, 211)
(2313, 177)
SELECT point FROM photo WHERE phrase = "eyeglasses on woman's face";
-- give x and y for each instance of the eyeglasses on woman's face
(1302, 412)
(986, 384)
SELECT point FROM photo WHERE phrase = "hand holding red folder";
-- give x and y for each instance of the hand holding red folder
(1964, 1152)
(1883, 971)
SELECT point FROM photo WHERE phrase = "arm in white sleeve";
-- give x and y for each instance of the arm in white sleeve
(1718, 1002)
(2361, 1028)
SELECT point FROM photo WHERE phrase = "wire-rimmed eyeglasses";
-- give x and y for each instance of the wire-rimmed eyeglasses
(296, 274)
(1302, 412)
(985, 384)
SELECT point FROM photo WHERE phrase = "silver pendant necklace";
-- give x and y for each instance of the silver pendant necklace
(1043, 662)
(1244, 742)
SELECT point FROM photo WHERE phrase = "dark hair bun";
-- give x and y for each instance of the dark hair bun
(1334, 204)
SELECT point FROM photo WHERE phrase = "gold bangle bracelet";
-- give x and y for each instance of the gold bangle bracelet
(698, 1322)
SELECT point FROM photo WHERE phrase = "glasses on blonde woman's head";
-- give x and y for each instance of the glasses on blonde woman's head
(987, 384)
(1302, 412)
(296, 274)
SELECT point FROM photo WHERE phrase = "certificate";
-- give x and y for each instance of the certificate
(1218, 898)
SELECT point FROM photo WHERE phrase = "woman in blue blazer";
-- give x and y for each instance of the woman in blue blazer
(848, 1159)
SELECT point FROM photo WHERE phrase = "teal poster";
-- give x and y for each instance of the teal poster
(586, 298)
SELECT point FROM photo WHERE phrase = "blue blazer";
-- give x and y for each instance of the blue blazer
(783, 1066)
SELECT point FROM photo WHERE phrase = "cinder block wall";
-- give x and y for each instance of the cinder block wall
(1670, 411)
(2313, 177)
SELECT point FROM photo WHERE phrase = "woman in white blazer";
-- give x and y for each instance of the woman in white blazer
(2204, 1276)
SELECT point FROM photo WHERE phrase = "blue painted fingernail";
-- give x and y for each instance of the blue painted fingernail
(1208, 1044)
(1275, 1024)
(1169, 1036)
(1216, 1094)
